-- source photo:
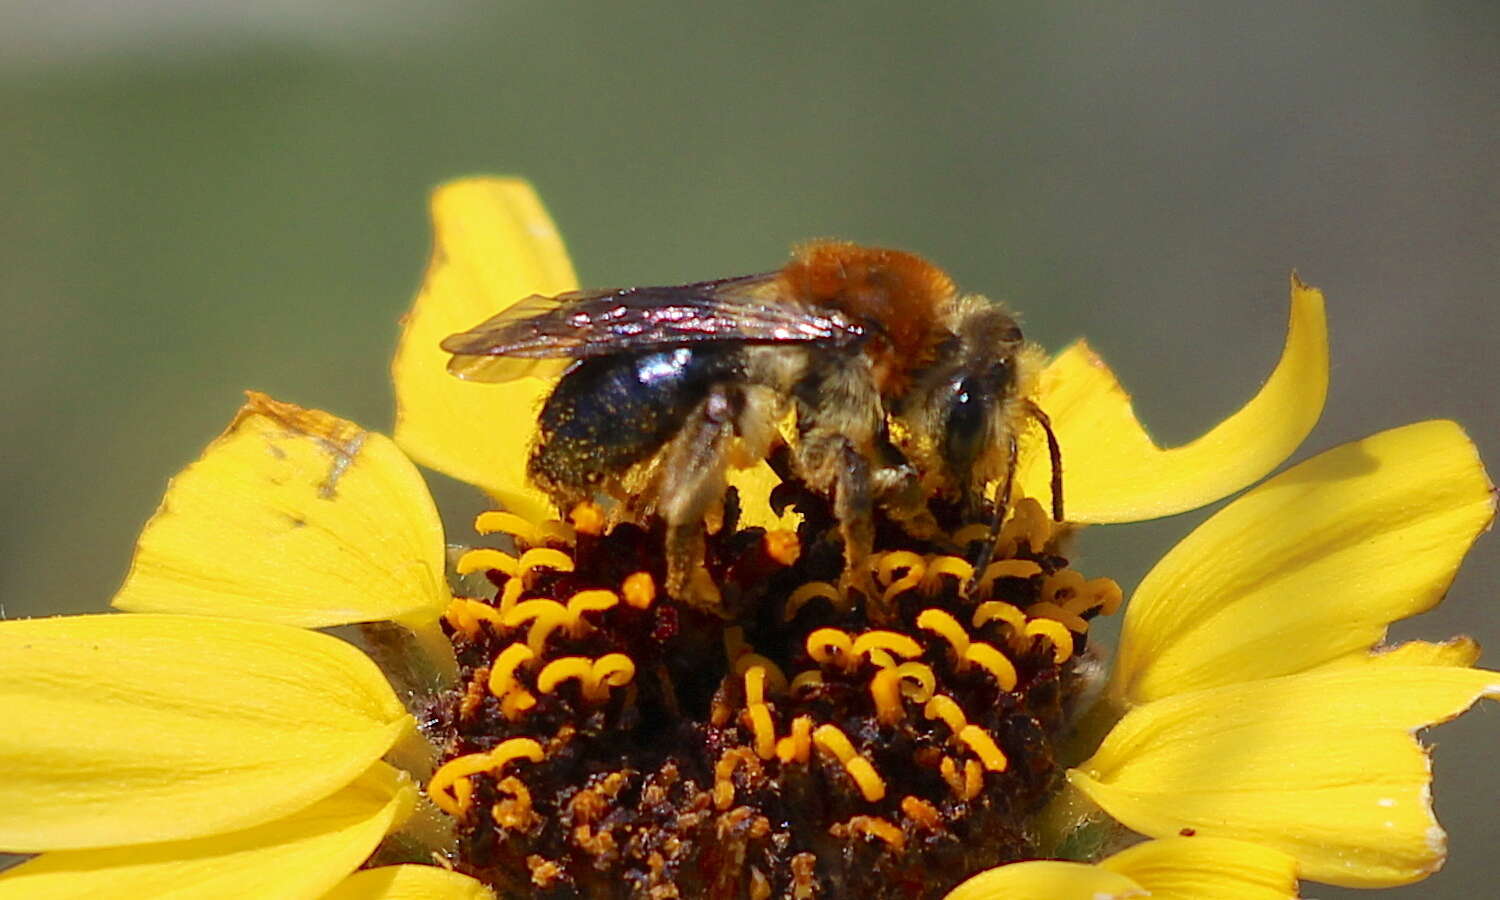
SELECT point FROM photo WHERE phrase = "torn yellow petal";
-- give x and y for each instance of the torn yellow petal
(1323, 766)
(129, 729)
(1047, 880)
(1459, 651)
(1206, 868)
(1114, 472)
(297, 517)
(409, 882)
(1309, 566)
(300, 856)
(493, 245)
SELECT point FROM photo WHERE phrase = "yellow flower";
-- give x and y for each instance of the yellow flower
(209, 743)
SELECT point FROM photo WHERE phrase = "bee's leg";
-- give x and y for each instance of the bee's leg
(693, 481)
(831, 463)
(997, 519)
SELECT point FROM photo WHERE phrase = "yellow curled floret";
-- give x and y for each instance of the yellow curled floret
(975, 531)
(961, 570)
(596, 600)
(993, 661)
(890, 641)
(812, 590)
(1062, 586)
(1006, 568)
(543, 558)
(943, 624)
(1045, 610)
(876, 827)
(595, 676)
(885, 691)
(1054, 632)
(579, 668)
(510, 595)
(797, 746)
(890, 563)
(979, 741)
(763, 729)
(917, 681)
(1029, 524)
(639, 589)
(450, 789)
(775, 679)
(830, 646)
(482, 559)
(869, 782)
(803, 679)
(755, 684)
(503, 669)
(1103, 594)
(457, 615)
(990, 610)
(941, 706)
(507, 523)
(611, 670)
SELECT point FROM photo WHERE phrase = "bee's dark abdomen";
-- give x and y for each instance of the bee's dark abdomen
(609, 413)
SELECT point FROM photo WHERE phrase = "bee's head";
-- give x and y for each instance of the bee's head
(963, 408)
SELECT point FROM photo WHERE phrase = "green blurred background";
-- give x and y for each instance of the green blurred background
(204, 197)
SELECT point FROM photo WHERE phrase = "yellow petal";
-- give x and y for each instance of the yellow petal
(128, 729)
(493, 244)
(1323, 766)
(297, 517)
(1309, 566)
(1114, 472)
(409, 882)
(1205, 868)
(1047, 880)
(1459, 651)
(301, 856)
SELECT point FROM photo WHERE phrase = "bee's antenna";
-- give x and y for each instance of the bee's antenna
(1055, 452)
(997, 519)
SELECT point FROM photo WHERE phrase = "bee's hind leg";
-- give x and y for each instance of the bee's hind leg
(832, 463)
(693, 480)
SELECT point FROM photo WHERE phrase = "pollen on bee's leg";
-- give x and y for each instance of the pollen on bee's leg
(783, 546)
(588, 518)
(639, 589)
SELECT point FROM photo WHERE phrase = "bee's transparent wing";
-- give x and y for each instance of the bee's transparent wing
(584, 324)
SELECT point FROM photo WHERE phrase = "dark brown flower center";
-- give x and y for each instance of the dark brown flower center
(606, 741)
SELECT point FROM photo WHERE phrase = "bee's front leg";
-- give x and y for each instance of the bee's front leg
(693, 467)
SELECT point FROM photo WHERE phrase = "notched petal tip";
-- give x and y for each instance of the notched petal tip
(293, 516)
(1114, 472)
(493, 245)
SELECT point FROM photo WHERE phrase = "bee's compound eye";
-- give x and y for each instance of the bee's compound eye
(968, 408)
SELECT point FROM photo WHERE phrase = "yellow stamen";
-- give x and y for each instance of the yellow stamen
(890, 641)
(764, 729)
(553, 530)
(917, 681)
(515, 813)
(775, 678)
(830, 738)
(1028, 524)
(483, 612)
(503, 669)
(547, 616)
(1006, 568)
(457, 615)
(808, 592)
(973, 779)
(875, 826)
(639, 590)
(797, 746)
(979, 740)
(482, 559)
(783, 546)
(543, 557)
(949, 770)
(894, 561)
(1054, 631)
(611, 670)
(589, 601)
(516, 704)
(510, 595)
(724, 774)
(449, 787)
(959, 569)
(946, 627)
(563, 669)
(885, 690)
(990, 610)
(1104, 593)
(830, 646)
(588, 519)
(1062, 586)
(804, 679)
(509, 523)
(1045, 610)
(755, 685)
(920, 811)
(993, 661)
(941, 706)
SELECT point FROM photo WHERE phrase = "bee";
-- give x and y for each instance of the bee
(901, 388)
